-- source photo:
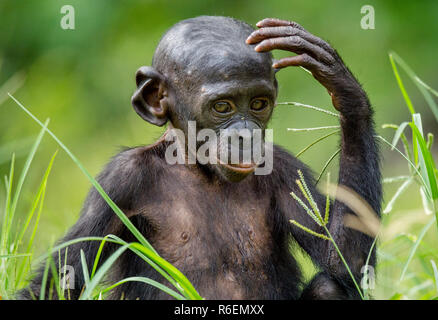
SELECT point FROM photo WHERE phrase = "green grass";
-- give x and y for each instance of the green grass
(317, 217)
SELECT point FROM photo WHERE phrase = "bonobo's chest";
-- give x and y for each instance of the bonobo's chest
(198, 224)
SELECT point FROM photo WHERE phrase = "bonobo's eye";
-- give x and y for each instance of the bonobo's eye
(259, 104)
(223, 107)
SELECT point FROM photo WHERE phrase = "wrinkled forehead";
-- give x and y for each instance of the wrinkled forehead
(215, 65)
(240, 64)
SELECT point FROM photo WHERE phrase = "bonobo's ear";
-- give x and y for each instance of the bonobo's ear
(149, 98)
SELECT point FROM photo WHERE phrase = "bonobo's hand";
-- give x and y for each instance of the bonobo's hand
(314, 54)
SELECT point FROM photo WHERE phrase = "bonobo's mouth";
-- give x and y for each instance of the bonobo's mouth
(243, 168)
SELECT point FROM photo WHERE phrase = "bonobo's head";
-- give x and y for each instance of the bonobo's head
(203, 71)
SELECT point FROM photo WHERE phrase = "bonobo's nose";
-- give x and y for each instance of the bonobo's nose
(240, 134)
(243, 140)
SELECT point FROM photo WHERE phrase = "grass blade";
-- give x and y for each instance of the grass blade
(11, 85)
(148, 281)
(396, 179)
(18, 255)
(426, 86)
(99, 253)
(13, 201)
(101, 272)
(173, 272)
(27, 166)
(428, 162)
(44, 279)
(312, 129)
(399, 132)
(316, 234)
(427, 204)
(435, 273)
(85, 269)
(423, 87)
(38, 201)
(8, 181)
(4, 239)
(404, 141)
(415, 247)
(297, 104)
(315, 142)
(396, 195)
(408, 160)
(400, 84)
(326, 165)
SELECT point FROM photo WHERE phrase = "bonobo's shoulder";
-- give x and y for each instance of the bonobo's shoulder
(284, 157)
(129, 175)
(287, 165)
(137, 161)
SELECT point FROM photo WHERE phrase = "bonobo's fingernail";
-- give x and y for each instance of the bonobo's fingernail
(248, 41)
(275, 65)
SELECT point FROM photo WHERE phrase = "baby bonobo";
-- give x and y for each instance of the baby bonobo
(222, 224)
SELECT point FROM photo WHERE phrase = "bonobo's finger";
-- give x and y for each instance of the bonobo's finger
(272, 32)
(295, 44)
(273, 22)
(284, 31)
(302, 60)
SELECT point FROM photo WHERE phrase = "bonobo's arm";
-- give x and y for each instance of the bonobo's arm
(121, 181)
(359, 163)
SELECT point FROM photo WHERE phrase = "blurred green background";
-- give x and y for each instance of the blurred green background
(83, 80)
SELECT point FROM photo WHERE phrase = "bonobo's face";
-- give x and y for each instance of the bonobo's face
(205, 74)
(235, 100)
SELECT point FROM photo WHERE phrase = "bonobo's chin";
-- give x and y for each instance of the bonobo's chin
(235, 172)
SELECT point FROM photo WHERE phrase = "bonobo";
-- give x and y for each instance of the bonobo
(224, 226)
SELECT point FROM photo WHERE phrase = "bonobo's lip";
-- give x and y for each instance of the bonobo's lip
(244, 168)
